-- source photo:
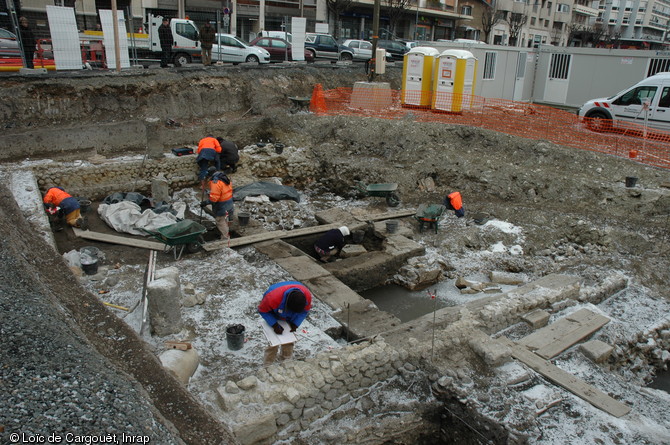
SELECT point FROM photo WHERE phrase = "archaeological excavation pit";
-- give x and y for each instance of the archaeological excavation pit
(586, 257)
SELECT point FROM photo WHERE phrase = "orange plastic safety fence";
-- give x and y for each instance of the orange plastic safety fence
(532, 121)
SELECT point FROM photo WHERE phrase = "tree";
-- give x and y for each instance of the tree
(573, 30)
(395, 10)
(490, 18)
(515, 21)
(337, 7)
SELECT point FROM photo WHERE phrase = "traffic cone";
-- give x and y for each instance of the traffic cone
(318, 102)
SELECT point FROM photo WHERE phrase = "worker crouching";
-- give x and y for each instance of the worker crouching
(287, 300)
(330, 244)
(221, 199)
(454, 202)
(60, 203)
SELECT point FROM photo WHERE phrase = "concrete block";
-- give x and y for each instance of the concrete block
(258, 425)
(596, 350)
(164, 298)
(507, 278)
(490, 350)
(302, 268)
(352, 250)
(371, 95)
(537, 318)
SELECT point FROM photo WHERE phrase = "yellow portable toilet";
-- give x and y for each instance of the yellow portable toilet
(454, 80)
(417, 77)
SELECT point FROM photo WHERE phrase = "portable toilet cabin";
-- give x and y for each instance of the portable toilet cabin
(454, 80)
(417, 77)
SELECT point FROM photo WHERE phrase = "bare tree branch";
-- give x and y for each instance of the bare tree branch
(490, 18)
(337, 7)
(395, 10)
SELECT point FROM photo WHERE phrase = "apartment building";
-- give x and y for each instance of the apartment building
(607, 23)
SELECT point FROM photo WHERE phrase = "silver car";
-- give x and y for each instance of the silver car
(228, 48)
(9, 46)
(362, 49)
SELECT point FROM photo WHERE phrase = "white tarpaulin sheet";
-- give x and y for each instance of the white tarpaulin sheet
(128, 217)
(64, 38)
(107, 21)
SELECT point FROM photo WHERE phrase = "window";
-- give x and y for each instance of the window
(354, 44)
(549, 6)
(664, 101)
(658, 66)
(490, 65)
(187, 30)
(636, 96)
(562, 7)
(264, 42)
(366, 45)
(276, 43)
(532, 21)
(559, 66)
(521, 66)
(466, 10)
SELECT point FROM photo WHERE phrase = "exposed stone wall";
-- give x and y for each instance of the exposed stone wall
(98, 181)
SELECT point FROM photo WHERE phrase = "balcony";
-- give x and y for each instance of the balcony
(584, 10)
(562, 17)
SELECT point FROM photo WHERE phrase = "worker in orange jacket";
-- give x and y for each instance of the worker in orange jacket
(208, 152)
(221, 199)
(58, 202)
(454, 202)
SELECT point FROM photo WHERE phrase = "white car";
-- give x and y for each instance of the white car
(228, 48)
(362, 49)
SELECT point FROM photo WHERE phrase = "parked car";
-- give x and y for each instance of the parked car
(409, 44)
(9, 46)
(646, 101)
(325, 46)
(362, 49)
(228, 48)
(396, 48)
(280, 34)
(277, 48)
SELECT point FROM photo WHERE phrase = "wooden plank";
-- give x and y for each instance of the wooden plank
(115, 239)
(573, 337)
(282, 234)
(568, 381)
(551, 340)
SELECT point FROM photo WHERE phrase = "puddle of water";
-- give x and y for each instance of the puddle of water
(408, 305)
(661, 381)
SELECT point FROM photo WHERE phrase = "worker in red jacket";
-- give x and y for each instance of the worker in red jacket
(290, 301)
(221, 199)
(208, 153)
(58, 202)
(454, 202)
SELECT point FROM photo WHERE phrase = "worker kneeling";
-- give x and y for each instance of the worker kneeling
(290, 301)
(221, 199)
(454, 202)
(331, 243)
(60, 203)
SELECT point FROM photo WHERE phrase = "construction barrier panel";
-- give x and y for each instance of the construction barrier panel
(540, 122)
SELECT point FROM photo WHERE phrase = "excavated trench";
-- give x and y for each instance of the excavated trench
(574, 213)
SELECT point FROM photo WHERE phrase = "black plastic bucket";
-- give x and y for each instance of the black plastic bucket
(279, 148)
(243, 218)
(631, 181)
(391, 226)
(84, 205)
(90, 267)
(235, 337)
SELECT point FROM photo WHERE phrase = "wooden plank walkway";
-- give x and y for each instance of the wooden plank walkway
(116, 239)
(551, 340)
(282, 234)
(566, 380)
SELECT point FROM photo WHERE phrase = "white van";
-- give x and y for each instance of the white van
(648, 100)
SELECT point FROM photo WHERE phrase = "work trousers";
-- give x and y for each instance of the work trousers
(72, 218)
(166, 55)
(271, 353)
(222, 225)
(206, 56)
